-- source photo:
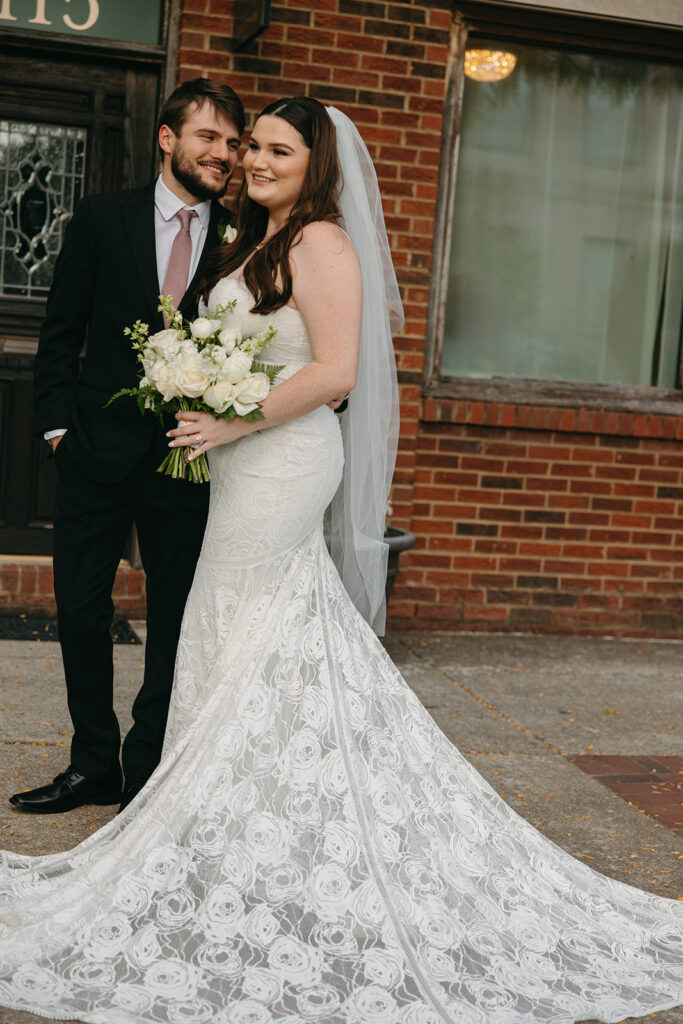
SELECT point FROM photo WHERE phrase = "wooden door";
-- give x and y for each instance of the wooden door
(68, 127)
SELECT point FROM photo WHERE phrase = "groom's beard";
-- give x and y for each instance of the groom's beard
(185, 173)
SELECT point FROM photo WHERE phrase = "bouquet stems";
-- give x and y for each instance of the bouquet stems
(176, 463)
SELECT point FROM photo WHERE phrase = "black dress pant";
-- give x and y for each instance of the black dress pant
(92, 522)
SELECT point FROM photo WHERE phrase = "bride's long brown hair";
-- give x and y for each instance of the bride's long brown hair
(318, 201)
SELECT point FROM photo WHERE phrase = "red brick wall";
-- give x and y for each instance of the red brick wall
(527, 518)
(558, 528)
(27, 586)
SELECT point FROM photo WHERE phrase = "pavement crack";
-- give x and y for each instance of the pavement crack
(487, 704)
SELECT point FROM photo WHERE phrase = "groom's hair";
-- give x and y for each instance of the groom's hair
(318, 200)
(195, 93)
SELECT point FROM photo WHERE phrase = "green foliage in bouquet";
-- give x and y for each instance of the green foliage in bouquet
(203, 365)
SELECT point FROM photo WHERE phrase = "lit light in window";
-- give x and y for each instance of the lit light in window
(489, 65)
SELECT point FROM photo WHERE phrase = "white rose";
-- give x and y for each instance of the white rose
(333, 775)
(328, 891)
(340, 844)
(236, 366)
(301, 759)
(165, 342)
(369, 905)
(90, 974)
(388, 841)
(190, 375)
(202, 328)
(295, 962)
(216, 958)
(143, 948)
(312, 1003)
(229, 234)
(424, 882)
(257, 708)
(172, 979)
(176, 908)
(220, 395)
(228, 338)
(371, 1004)
(261, 927)
(335, 939)
(438, 925)
(222, 913)
(382, 968)
(247, 1011)
(167, 867)
(190, 1012)
(268, 839)
(108, 938)
(236, 866)
(303, 807)
(130, 998)
(261, 984)
(389, 799)
(315, 709)
(209, 838)
(37, 984)
(132, 896)
(284, 883)
(162, 376)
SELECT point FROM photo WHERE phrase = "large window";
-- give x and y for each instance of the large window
(565, 260)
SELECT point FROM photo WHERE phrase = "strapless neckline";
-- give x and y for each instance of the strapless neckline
(240, 281)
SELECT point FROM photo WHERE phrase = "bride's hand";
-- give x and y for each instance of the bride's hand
(202, 431)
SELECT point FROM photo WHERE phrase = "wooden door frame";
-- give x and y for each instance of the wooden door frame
(16, 371)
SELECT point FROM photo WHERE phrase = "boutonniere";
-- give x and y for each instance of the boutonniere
(226, 232)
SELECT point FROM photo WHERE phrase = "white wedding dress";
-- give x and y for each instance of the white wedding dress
(312, 848)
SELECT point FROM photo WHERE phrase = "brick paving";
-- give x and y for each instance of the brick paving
(653, 785)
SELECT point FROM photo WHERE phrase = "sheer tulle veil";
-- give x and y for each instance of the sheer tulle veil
(371, 424)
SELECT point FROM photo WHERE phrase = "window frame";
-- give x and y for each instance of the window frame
(475, 21)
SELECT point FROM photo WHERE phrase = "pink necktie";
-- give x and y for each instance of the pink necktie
(175, 282)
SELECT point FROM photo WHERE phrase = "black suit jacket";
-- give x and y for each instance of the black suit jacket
(105, 279)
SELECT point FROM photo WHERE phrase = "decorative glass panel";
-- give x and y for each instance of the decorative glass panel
(567, 254)
(42, 169)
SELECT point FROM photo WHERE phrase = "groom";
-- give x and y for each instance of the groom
(120, 252)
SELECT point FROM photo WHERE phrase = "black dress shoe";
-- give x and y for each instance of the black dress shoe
(68, 790)
(131, 788)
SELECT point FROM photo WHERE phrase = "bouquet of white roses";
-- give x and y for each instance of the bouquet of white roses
(204, 365)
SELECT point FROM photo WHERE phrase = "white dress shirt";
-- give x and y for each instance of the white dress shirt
(166, 227)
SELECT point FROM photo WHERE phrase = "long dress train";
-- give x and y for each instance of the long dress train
(311, 847)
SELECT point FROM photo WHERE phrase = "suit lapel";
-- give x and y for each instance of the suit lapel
(139, 220)
(210, 243)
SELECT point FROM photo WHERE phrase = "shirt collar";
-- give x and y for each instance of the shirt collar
(168, 204)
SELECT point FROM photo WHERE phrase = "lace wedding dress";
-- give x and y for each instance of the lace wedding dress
(311, 847)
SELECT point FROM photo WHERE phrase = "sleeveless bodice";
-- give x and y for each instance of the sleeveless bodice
(290, 347)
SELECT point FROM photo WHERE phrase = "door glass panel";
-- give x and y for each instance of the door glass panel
(42, 169)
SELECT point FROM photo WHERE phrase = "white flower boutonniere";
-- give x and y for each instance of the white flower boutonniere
(226, 232)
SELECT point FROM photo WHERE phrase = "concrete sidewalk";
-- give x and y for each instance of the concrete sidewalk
(518, 707)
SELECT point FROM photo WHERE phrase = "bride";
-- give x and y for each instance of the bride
(311, 847)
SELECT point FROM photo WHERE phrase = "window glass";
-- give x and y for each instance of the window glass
(567, 239)
(42, 168)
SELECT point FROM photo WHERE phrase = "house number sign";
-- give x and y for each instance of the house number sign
(127, 20)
